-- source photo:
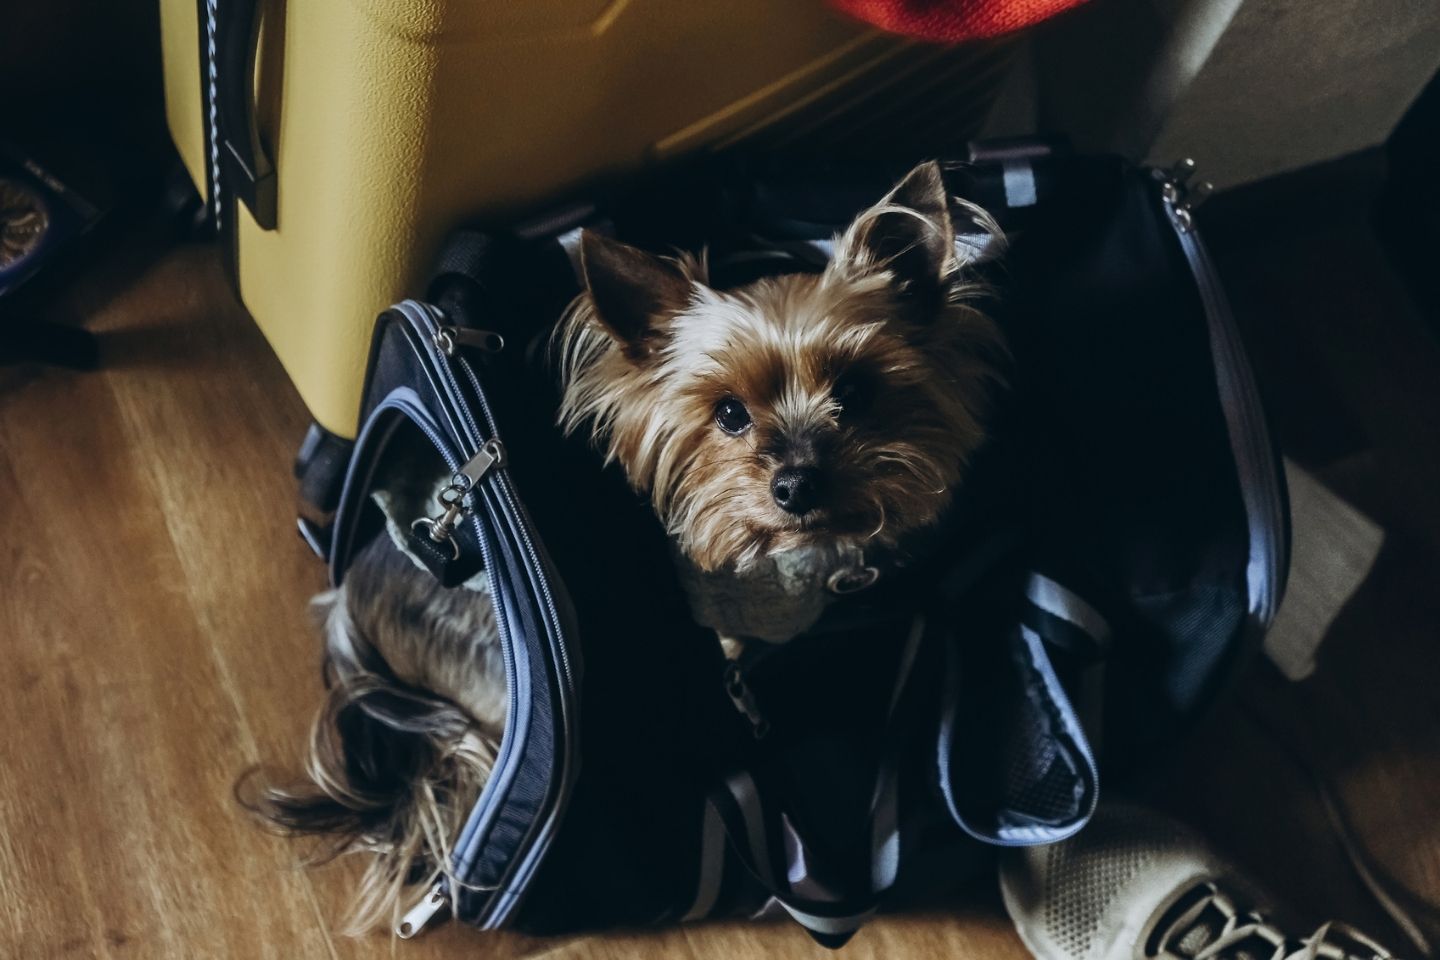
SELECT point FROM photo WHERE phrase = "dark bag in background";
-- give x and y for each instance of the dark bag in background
(1119, 546)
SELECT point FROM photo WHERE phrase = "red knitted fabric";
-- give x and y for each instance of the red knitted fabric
(950, 21)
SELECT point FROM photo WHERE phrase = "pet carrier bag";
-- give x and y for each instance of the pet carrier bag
(335, 141)
(1117, 547)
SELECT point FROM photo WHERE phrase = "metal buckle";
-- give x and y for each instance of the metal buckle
(853, 580)
(436, 532)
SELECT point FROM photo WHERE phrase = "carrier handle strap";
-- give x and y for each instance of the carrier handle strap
(757, 841)
(760, 835)
(464, 260)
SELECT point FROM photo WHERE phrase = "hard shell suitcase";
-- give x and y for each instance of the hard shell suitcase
(356, 133)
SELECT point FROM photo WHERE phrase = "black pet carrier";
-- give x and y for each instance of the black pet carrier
(1119, 545)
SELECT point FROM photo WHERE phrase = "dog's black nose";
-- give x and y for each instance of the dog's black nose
(796, 489)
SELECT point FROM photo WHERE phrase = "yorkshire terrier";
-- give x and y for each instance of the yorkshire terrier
(783, 431)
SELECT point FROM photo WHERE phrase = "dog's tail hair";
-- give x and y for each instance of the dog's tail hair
(392, 772)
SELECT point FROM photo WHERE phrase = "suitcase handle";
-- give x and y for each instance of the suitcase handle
(244, 164)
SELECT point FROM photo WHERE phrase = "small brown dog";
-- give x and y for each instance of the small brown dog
(813, 415)
(790, 431)
(839, 407)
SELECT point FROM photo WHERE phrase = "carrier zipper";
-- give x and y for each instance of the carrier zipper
(422, 913)
(448, 338)
(423, 320)
(518, 515)
(452, 496)
(1240, 400)
(521, 877)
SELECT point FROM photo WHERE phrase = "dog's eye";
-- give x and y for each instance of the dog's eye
(853, 392)
(732, 416)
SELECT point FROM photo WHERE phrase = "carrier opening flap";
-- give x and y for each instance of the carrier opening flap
(416, 385)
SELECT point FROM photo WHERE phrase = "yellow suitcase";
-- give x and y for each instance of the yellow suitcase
(368, 128)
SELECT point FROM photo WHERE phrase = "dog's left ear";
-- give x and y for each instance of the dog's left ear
(909, 234)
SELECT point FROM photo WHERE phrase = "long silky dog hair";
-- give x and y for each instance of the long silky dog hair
(411, 723)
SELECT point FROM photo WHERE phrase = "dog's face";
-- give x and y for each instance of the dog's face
(838, 407)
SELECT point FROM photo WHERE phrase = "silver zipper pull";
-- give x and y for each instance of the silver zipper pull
(1181, 199)
(1182, 171)
(1199, 193)
(449, 338)
(422, 913)
(492, 454)
(452, 495)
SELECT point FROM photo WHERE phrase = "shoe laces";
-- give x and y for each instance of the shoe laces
(1206, 924)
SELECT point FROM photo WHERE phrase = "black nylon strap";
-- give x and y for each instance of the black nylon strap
(831, 923)
(466, 256)
(452, 560)
(460, 278)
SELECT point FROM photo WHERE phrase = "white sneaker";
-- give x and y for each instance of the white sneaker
(1134, 885)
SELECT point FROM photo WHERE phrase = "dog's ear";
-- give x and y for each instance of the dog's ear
(908, 234)
(634, 292)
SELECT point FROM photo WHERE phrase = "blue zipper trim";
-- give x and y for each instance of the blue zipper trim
(1250, 441)
(503, 504)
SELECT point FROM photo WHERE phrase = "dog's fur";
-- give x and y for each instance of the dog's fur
(873, 376)
(648, 356)
(414, 710)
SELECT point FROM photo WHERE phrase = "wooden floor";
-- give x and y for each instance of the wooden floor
(156, 643)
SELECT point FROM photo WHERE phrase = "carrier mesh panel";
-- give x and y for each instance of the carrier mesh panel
(1199, 625)
(1039, 779)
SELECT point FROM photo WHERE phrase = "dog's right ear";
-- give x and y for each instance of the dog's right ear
(634, 292)
(908, 234)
